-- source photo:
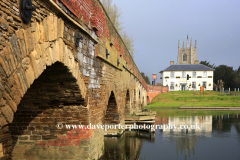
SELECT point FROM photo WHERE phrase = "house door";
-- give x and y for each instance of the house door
(183, 87)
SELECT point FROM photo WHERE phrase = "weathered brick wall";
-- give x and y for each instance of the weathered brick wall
(46, 78)
(153, 91)
(93, 17)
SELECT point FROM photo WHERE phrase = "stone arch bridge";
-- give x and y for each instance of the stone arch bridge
(67, 65)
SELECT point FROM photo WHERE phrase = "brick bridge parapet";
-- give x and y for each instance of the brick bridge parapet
(47, 77)
(153, 91)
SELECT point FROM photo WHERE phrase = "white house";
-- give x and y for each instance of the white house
(175, 76)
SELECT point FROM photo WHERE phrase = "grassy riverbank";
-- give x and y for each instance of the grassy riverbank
(179, 112)
(186, 98)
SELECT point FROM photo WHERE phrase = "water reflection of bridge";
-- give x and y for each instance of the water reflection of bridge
(125, 147)
(185, 144)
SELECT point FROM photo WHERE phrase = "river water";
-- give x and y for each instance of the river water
(216, 136)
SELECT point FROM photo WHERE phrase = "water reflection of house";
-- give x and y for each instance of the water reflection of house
(186, 144)
(161, 120)
(203, 122)
(186, 139)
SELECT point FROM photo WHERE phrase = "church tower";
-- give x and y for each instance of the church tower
(187, 55)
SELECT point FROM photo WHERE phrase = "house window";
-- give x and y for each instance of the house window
(172, 75)
(172, 86)
(183, 74)
(204, 74)
(185, 57)
(194, 85)
(204, 84)
(194, 74)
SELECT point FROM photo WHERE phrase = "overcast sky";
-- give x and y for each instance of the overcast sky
(157, 25)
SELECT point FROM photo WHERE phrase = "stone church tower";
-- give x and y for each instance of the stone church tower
(187, 55)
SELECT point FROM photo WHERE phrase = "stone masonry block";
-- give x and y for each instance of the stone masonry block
(45, 29)
(60, 49)
(60, 25)
(53, 50)
(3, 65)
(29, 74)
(19, 85)
(48, 137)
(10, 101)
(3, 24)
(15, 47)
(41, 32)
(52, 27)
(29, 40)
(35, 137)
(23, 138)
(6, 53)
(3, 121)
(21, 42)
(34, 62)
(7, 113)
(22, 80)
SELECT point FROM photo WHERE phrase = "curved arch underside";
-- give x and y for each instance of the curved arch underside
(127, 105)
(53, 98)
(112, 115)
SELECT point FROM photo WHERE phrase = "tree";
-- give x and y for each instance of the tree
(225, 73)
(145, 78)
(114, 14)
(237, 78)
(208, 64)
(238, 70)
(129, 43)
(220, 85)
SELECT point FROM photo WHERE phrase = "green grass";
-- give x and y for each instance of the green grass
(186, 98)
(179, 112)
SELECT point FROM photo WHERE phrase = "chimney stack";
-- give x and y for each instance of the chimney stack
(196, 62)
(171, 62)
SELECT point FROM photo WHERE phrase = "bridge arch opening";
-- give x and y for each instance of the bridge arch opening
(53, 98)
(112, 115)
(135, 94)
(139, 101)
(127, 103)
(135, 100)
(143, 100)
(148, 99)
